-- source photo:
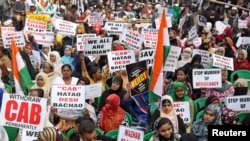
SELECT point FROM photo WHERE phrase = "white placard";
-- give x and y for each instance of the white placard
(183, 110)
(222, 62)
(68, 96)
(81, 40)
(93, 90)
(129, 134)
(147, 54)
(29, 135)
(17, 36)
(207, 78)
(24, 112)
(150, 36)
(172, 59)
(65, 27)
(132, 38)
(47, 39)
(205, 57)
(238, 103)
(119, 59)
(114, 28)
(98, 46)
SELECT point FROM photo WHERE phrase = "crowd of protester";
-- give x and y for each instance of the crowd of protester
(62, 64)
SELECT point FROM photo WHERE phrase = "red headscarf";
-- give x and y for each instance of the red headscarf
(112, 114)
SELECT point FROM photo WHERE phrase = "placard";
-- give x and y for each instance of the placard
(114, 28)
(129, 134)
(238, 103)
(183, 110)
(222, 62)
(65, 27)
(98, 46)
(148, 55)
(207, 78)
(150, 37)
(172, 59)
(132, 38)
(205, 57)
(138, 77)
(68, 96)
(119, 59)
(17, 36)
(81, 40)
(93, 90)
(24, 112)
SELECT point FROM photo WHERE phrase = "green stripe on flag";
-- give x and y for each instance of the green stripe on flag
(25, 80)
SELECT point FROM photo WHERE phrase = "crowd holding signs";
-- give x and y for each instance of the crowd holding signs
(115, 65)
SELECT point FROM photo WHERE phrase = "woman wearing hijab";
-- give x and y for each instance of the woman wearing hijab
(116, 88)
(49, 134)
(211, 116)
(167, 110)
(42, 81)
(55, 59)
(186, 57)
(179, 94)
(241, 63)
(111, 115)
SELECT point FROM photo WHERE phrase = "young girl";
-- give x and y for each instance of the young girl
(212, 116)
(164, 131)
(179, 95)
(180, 76)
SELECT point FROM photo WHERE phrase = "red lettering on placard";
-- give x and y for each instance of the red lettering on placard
(22, 114)
(132, 134)
(11, 105)
(69, 88)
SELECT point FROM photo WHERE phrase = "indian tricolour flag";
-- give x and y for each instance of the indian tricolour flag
(21, 75)
(162, 50)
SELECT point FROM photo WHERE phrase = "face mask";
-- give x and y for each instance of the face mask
(186, 55)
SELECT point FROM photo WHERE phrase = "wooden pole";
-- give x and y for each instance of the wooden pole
(224, 3)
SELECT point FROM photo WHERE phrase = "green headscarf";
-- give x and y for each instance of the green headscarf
(181, 85)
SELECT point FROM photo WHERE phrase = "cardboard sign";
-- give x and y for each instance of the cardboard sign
(183, 110)
(98, 46)
(119, 59)
(93, 90)
(138, 77)
(129, 134)
(148, 55)
(47, 39)
(192, 34)
(24, 112)
(133, 38)
(17, 36)
(207, 78)
(150, 36)
(35, 27)
(205, 57)
(29, 135)
(65, 27)
(238, 103)
(222, 62)
(68, 96)
(172, 59)
(95, 20)
(81, 40)
(114, 28)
